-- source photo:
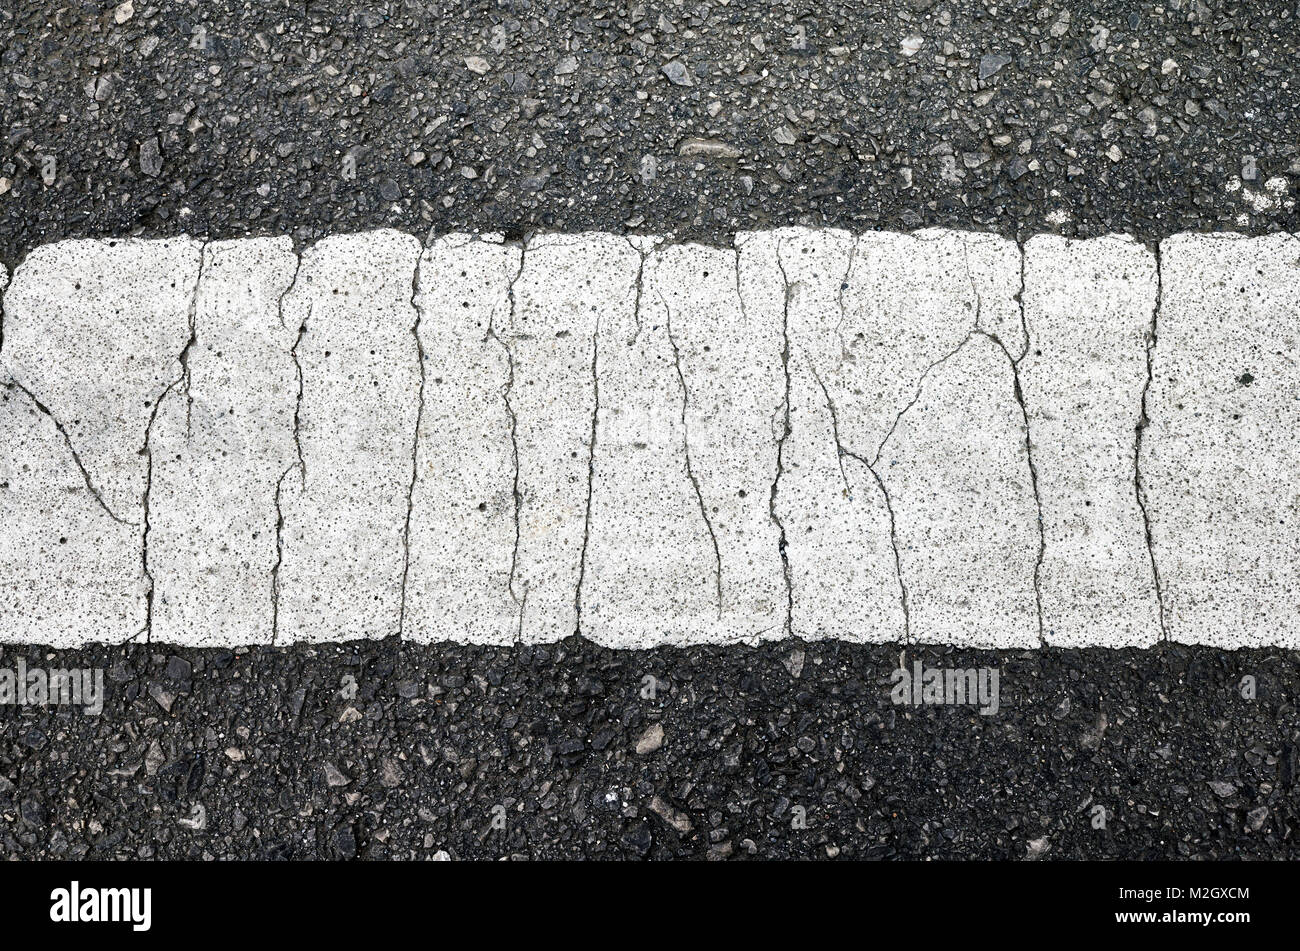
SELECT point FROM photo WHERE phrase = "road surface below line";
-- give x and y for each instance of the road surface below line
(934, 438)
(390, 749)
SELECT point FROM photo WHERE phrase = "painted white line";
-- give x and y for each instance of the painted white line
(928, 437)
(912, 513)
(1222, 454)
(219, 446)
(681, 540)
(462, 529)
(1088, 309)
(569, 285)
(343, 553)
(92, 331)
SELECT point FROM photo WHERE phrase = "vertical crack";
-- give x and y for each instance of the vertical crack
(297, 406)
(415, 443)
(279, 485)
(4, 286)
(1033, 482)
(279, 557)
(591, 475)
(686, 450)
(193, 338)
(1144, 420)
(1020, 302)
(517, 494)
(740, 298)
(1019, 392)
(636, 303)
(1029, 448)
(293, 353)
(293, 282)
(840, 452)
(147, 450)
(786, 429)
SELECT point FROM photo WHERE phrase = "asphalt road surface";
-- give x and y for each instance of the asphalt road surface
(702, 119)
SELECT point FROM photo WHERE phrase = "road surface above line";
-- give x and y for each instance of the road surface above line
(931, 438)
(701, 120)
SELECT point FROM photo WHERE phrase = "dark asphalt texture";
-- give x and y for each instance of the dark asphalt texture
(221, 119)
(390, 750)
(701, 119)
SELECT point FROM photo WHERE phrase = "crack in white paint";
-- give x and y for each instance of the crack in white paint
(300, 464)
(786, 429)
(415, 442)
(147, 449)
(44, 410)
(686, 452)
(516, 494)
(591, 477)
(870, 465)
(1139, 433)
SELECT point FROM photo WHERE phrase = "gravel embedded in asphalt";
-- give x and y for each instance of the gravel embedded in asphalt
(390, 750)
(221, 120)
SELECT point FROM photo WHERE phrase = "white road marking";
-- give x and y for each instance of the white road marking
(928, 437)
(94, 330)
(911, 512)
(342, 544)
(462, 528)
(568, 287)
(1088, 309)
(682, 545)
(1222, 455)
(220, 445)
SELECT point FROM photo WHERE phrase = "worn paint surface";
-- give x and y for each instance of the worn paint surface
(936, 437)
